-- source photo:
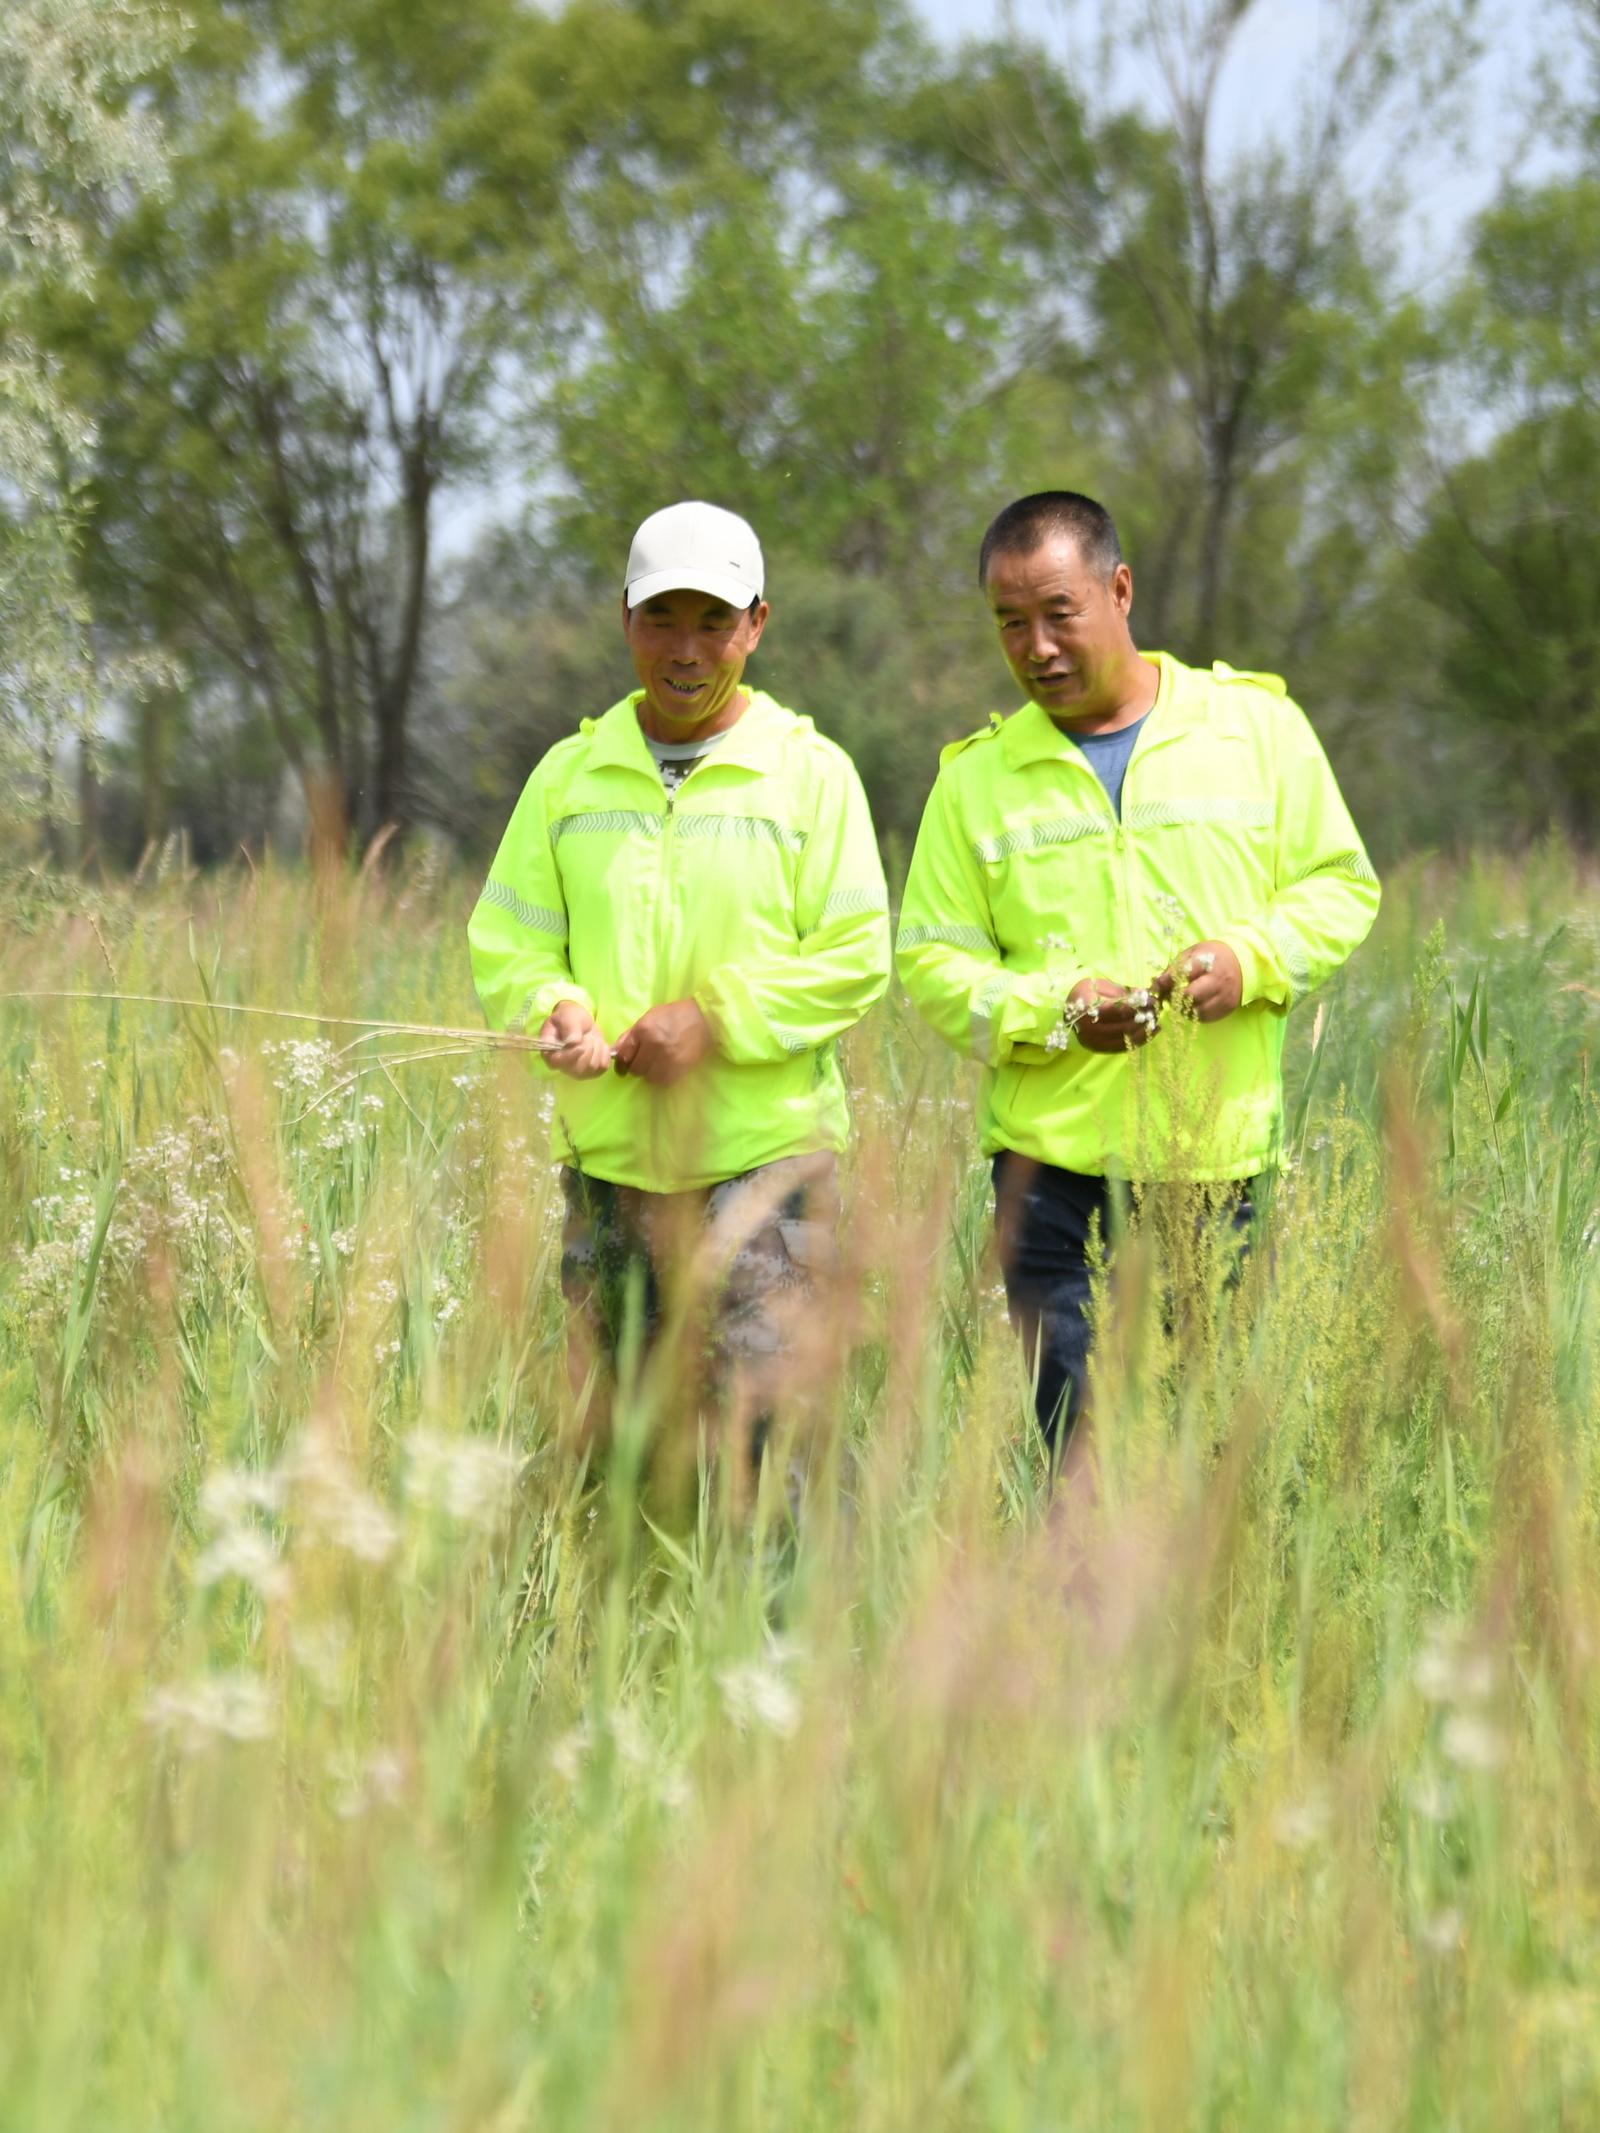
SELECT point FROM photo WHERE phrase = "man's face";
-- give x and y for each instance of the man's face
(1063, 628)
(689, 652)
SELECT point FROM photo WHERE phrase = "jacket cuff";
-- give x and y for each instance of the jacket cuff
(741, 1032)
(545, 999)
(1033, 1016)
(1257, 966)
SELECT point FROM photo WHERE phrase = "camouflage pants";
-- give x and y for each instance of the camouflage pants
(733, 1268)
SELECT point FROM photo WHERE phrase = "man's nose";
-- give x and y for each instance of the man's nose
(1041, 644)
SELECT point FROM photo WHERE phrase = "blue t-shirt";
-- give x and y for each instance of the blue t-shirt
(1108, 755)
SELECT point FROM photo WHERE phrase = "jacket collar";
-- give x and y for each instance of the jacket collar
(754, 742)
(1032, 735)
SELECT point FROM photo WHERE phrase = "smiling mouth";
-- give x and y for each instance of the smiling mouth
(683, 688)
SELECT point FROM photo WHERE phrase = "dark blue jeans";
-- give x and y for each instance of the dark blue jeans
(1045, 1220)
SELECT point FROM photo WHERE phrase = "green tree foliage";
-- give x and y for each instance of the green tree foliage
(1224, 363)
(294, 357)
(473, 275)
(786, 310)
(1508, 554)
(68, 138)
(808, 311)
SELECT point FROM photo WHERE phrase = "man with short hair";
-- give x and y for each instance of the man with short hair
(1141, 837)
(689, 908)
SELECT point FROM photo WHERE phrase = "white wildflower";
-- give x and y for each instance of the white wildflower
(386, 1777)
(471, 1479)
(1471, 1742)
(323, 1650)
(1448, 1669)
(674, 1788)
(629, 1737)
(335, 1505)
(1440, 1933)
(360, 1525)
(228, 1493)
(214, 1707)
(246, 1553)
(361, 1783)
(566, 1757)
(308, 1063)
(759, 1695)
(1433, 1798)
(1301, 1823)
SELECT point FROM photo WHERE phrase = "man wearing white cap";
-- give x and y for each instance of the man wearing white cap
(689, 908)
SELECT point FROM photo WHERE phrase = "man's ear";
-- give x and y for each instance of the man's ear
(759, 614)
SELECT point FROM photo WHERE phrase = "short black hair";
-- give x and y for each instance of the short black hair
(1029, 522)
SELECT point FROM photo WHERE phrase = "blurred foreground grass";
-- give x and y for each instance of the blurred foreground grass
(369, 1764)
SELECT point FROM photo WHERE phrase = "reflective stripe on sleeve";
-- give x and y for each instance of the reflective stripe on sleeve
(536, 917)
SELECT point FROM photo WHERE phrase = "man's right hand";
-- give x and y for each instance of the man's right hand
(1124, 1021)
(576, 1045)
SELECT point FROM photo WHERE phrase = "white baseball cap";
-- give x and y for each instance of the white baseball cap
(695, 548)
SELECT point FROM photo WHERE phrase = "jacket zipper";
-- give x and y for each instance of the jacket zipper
(1118, 843)
(666, 982)
(1125, 872)
(664, 990)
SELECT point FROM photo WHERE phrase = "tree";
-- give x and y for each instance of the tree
(295, 354)
(787, 310)
(1215, 309)
(1507, 552)
(68, 138)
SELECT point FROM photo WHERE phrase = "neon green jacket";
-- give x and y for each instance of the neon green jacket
(757, 891)
(1024, 882)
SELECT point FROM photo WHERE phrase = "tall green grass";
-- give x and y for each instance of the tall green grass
(370, 1760)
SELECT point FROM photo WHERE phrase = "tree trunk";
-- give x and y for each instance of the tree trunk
(88, 805)
(1213, 555)
(155, 712)
(392, 699)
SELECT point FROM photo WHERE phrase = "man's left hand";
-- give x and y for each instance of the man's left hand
(1206, 979)
(665, 1043)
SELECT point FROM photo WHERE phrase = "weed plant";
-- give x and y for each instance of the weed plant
(374, 1760)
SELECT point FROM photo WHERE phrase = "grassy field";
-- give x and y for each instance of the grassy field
(368, 1763)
